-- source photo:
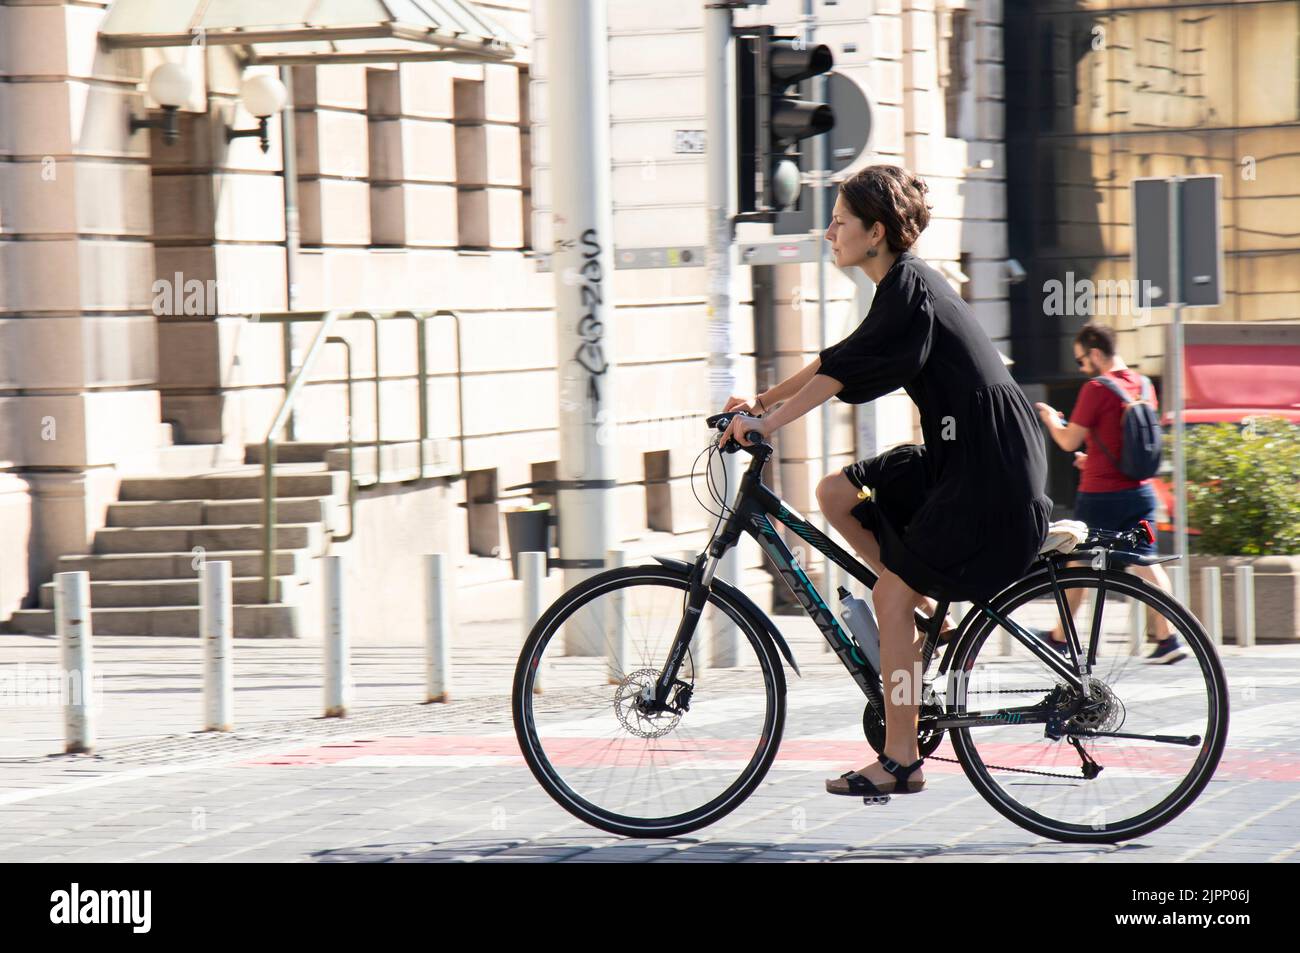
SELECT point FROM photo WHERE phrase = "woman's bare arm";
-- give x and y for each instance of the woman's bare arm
(813, 393)
(791, 386)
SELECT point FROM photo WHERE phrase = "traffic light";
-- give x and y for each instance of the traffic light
(772, 121)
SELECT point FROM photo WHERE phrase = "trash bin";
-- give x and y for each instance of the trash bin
(528, 529)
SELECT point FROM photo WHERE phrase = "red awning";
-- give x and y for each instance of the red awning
(1230, 382)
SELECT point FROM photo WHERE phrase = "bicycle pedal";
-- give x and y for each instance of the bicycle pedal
(876, 800)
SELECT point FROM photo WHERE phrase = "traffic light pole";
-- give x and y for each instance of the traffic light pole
(819, 219)
(721, 336)
(583, 268)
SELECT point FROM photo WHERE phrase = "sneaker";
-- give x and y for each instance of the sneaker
(1167, 651)
(1045, 635)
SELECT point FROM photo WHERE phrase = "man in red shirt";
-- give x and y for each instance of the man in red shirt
(1108, 499)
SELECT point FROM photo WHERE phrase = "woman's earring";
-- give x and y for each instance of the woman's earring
(871, 252)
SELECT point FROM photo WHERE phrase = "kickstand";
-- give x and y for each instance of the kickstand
(1090, 768)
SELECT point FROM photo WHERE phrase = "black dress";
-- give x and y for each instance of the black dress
(964, 515)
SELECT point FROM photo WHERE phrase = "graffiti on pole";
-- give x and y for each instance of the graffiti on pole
(590, 354)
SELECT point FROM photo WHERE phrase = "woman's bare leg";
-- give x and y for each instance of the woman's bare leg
(837, 496)
(900, 643)
(900, 662)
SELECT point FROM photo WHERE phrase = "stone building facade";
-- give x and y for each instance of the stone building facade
(134, 273)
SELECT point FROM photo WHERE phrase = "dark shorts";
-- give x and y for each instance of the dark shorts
(945, 538)
(1120, 511)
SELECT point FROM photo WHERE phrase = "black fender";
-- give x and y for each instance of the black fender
(746, 603)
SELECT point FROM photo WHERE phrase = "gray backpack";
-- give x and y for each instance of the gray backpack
(1141, 443)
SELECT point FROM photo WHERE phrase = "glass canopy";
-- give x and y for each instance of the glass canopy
(315, 31)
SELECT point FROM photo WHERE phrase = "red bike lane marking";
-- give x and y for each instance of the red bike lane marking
(1254, 764)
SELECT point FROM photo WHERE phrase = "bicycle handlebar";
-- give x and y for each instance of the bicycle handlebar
(720, 423)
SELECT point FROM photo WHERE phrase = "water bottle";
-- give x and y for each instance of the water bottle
(857, 615)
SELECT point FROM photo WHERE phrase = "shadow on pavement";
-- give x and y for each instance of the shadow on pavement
(617, 850)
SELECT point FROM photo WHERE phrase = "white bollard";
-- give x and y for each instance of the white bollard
(957, 611)
(338, 675)
(1212, 602)
(437, 628)
(532, 570)
(1246, 606)
(216, 629)
(1181, 580)
(724, 637)
(72, 624)
(1137, 617)
(1006, 642)
(617, 626)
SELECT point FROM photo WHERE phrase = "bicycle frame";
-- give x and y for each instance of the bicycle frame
(751, 512)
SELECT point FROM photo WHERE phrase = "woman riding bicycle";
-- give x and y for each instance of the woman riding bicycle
(958, 518)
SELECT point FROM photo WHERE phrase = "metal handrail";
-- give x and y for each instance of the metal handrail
(294, 387)
(460, 385)
(352, 447)
(292, 390)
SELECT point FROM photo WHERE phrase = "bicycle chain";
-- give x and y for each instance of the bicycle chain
(1000, 767)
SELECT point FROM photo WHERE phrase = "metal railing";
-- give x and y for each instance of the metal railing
(296, 381)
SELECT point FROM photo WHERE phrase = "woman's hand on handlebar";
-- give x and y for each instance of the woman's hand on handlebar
(740, 425)
(741, 404)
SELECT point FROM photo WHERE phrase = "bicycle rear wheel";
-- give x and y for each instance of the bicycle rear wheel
(1134, 784)
(607, 761)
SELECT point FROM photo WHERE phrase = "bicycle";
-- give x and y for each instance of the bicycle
(706, 734)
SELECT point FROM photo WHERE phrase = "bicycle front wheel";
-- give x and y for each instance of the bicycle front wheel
(1131, 753)
(584, 673)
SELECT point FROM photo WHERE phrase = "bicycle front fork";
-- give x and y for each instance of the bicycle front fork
(697, 595)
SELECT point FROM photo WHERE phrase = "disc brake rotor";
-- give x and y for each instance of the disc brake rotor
(629, 698)
(1100, 711)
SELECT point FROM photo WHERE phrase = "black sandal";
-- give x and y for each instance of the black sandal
(856, 785)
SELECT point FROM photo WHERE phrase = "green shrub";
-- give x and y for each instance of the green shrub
(1243, 487)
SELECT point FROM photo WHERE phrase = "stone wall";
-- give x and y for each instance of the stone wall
(1277, 595)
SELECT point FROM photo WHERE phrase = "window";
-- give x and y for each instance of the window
(473, 214)
(483, 513)
(658, 495)
(526, 153)
(954, 27)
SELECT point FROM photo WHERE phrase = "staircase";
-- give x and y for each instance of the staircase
(144, 563)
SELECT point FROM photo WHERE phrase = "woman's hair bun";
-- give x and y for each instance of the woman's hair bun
(893, 196)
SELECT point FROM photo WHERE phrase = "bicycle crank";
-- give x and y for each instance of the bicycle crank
(927, 741)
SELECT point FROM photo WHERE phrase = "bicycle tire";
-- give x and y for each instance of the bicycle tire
(1117, 583)
(550, 779)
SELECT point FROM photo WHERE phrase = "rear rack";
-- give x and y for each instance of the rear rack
(1109, 539)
